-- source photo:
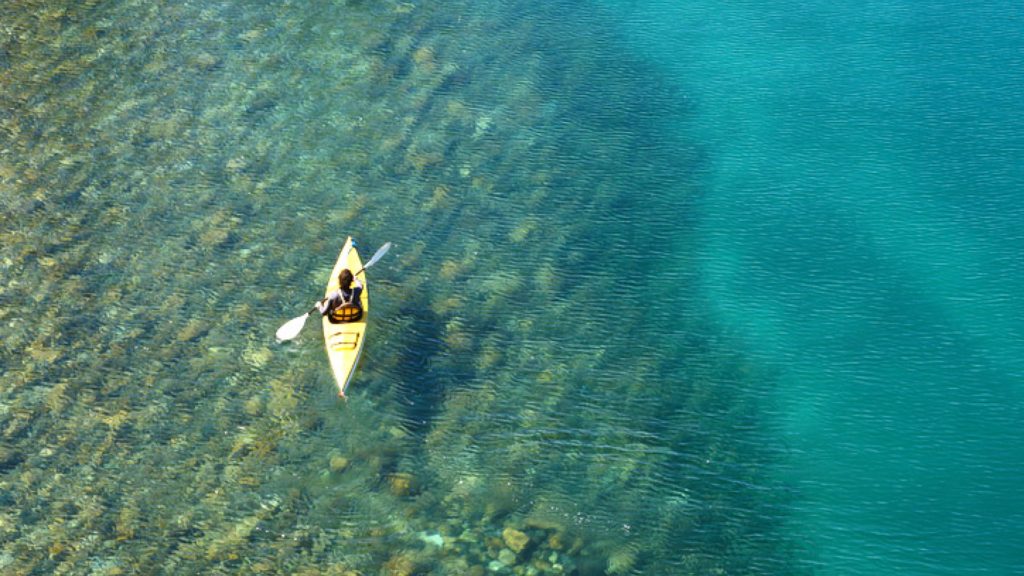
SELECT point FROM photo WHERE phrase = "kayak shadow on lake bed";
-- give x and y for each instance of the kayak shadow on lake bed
(421, 385)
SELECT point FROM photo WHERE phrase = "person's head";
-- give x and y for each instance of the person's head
(345, 279)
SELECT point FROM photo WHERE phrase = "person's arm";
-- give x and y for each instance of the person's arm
(324, 305)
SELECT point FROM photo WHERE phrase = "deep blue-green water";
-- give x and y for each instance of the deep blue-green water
(860, 232)
(676, 288)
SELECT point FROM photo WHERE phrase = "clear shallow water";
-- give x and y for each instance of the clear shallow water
(699, 290)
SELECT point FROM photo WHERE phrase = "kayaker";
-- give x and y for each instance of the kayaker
(344, 304)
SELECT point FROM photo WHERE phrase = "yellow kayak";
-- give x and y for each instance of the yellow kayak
(345, 341)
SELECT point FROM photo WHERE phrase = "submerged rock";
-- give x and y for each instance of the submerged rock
(401, 483)
(515, 539)
(507, 557)
(205, 61)
(434, 539)
(621, 561)
(338, 463)
(400, 564)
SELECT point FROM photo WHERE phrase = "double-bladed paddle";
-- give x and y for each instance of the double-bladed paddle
(291, 328)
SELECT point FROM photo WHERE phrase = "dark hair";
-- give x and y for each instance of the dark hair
(345, 279)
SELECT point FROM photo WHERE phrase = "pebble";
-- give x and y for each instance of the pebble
(515, 539)
(338, 463)
(507, 557)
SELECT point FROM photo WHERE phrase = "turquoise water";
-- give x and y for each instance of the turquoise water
(861, 234)
(676, 289)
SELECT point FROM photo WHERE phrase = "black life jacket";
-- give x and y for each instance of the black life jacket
(349, 310)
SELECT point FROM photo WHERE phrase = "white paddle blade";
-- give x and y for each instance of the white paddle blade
(380, 254)
(291, 328)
